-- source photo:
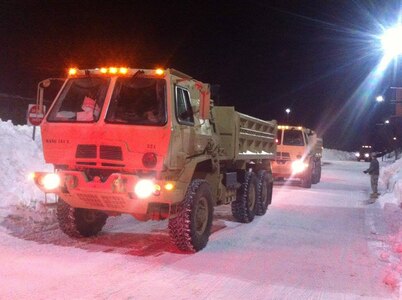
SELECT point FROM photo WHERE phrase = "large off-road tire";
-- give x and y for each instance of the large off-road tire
(319, 171)
(243, 208)
(264, 192)
(191, 228)
(315, 177)
(306, 180)
(79, 222)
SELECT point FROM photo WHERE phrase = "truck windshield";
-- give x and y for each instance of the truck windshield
(81, 100)
(293, 137)
(138, 101)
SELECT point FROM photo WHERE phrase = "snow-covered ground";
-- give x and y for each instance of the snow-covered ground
(326, 242)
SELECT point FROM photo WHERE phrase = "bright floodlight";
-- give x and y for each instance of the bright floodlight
(379, 98)
(391, 41)
(386, 122)
(287, 110)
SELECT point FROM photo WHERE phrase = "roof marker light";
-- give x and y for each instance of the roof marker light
(72, 71)
(103, 70)
(159, 72)
(113, 70)
(123, 70)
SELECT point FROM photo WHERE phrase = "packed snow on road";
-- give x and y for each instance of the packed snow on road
(327, 242)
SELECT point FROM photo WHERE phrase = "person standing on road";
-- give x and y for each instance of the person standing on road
(374, 172)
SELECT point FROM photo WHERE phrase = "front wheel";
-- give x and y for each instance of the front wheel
(79, 222)
(306, 179)
(191, 228)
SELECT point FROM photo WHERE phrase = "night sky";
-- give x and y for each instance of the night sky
(311, 56)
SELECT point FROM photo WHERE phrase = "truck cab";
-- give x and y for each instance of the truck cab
(299, 152)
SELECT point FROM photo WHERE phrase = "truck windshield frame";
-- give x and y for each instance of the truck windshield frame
(81, 100)
(138, 101)
(293, 137)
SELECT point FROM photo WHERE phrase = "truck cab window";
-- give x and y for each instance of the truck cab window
(138, 101)
(293, 137)
(81, 100)
(184, 112)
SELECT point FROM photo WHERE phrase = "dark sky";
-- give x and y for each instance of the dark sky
(311, 56)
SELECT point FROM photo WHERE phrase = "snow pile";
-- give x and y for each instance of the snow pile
(391, 178)
(20, 156)
(331, 154)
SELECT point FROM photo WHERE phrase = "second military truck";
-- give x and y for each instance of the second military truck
(150, 143)
(299, 153)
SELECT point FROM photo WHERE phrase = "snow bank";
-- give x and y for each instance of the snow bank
(20, 156)
(391, 178)
(331, 154)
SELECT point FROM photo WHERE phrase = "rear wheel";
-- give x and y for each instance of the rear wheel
(79, 222)
(191, 228)
(243, 208)
(264, 192)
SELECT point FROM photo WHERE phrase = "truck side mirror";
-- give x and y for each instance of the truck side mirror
(205, 104)
(205, 99)
(41, 88)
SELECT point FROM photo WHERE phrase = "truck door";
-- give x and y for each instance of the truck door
(185, 120)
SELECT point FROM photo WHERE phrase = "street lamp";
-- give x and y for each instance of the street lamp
(287, 111)
(379, 98)
(391, 41)
(386, 121)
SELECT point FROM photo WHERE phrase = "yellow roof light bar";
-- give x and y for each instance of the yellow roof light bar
(116, 71)
(290, 127)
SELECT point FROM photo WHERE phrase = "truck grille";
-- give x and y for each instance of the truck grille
(105, 152)
(111, 152)
(282, 156)
(86, 151)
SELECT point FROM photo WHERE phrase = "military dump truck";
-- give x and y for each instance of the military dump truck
(152, 144)
(364, 153)
(299, 153)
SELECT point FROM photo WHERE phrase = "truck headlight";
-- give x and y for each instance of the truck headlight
(145, 188)
(366, 155)
(298, 166)
(51, 181)
(357, 154)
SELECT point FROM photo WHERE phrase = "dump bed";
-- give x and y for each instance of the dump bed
(244, 137)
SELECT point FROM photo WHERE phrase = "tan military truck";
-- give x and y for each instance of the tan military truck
(299, 153)
(150, 143)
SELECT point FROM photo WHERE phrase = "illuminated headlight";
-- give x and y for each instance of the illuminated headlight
(366, 155)
(298, 166)
(144, 188)
(51, 181)
(357, 154)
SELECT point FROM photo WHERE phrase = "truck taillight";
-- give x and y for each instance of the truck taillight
(149, 160)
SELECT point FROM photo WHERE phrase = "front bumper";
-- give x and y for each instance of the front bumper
(115, 194)
(283, 169)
